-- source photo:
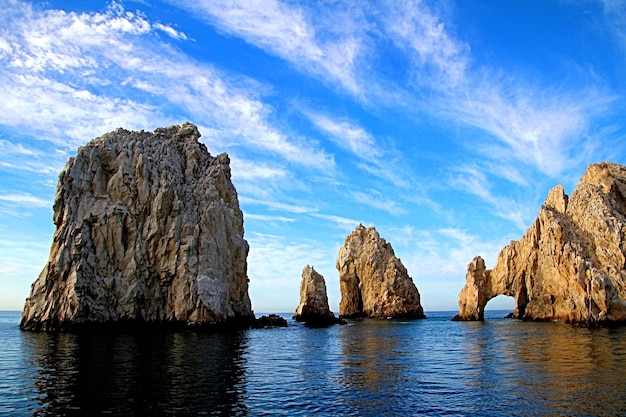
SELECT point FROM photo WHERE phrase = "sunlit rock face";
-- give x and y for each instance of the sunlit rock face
(570, 264)
(148, 230)
(313, 309)
(373, 281)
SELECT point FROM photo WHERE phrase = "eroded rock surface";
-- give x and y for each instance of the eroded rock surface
(373, 281)
(570, 264)
(313, 309)
(148, 229)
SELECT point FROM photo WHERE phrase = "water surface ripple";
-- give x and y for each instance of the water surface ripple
(431, 367)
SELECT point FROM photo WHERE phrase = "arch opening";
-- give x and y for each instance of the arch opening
(499, 306)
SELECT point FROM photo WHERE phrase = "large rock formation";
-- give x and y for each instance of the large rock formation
(313, 309)
(373, 282)
(570, 264)
(148, 229)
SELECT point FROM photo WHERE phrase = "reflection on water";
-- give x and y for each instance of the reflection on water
(576, 366)
(366, 368)
(142, 373)
(373, 367)
(549, 368)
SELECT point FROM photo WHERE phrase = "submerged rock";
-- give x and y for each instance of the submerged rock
(373, 281)
(313, 309)
(570, 264)
(148, 229)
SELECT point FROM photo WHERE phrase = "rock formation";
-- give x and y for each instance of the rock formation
(373, 282)
(313, 309)
(570, 264)
(270, 322)
(148, 230)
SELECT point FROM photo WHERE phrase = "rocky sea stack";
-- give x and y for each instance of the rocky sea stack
(148, 230)
(313, 309)
(373, 281)
(570, 265)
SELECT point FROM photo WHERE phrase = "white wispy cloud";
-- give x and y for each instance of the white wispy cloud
(31, 166)
(55, 65)
(286, 30)
(377, 200)
(275, 205)
(25, 200)
(391, 169)
(615, 14)
(245, 170)
(547, 130)
(439, 58)
(347, 135)
(544, 128)
(474, 181)
(372, 156)
(170, 31)
(29, 249)
(18, 157)
(9, 148)
(268, 218)
(344, 223)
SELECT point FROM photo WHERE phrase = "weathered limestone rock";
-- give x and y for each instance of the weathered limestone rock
(373, 282)
(313, 309)
(570, 265)
(148, 229)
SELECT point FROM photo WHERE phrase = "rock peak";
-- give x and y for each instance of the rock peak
(605, 175)
(313, 309)
(557, 199)
(148, 229)
(373, 281)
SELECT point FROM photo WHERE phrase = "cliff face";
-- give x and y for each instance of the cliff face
(148, 229)
(373, 282)
(313, 308)
(571, 263)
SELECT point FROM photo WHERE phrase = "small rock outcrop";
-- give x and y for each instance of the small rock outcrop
(270, 322)
(570, 265)
(373, 281)
(148, 230)
(313, 309)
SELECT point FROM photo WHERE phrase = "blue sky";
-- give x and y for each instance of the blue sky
(441, 123)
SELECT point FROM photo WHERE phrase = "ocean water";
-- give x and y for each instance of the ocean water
(432, 367)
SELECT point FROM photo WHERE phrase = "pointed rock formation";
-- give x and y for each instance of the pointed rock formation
(570, 265)
(373, 282)
(148, 229)
(313, 309)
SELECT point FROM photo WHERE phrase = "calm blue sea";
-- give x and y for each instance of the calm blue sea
(431, 367)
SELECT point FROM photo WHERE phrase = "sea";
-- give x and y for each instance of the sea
(432, 367)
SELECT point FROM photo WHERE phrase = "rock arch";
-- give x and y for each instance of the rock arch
(480, 288)
(570, 265)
